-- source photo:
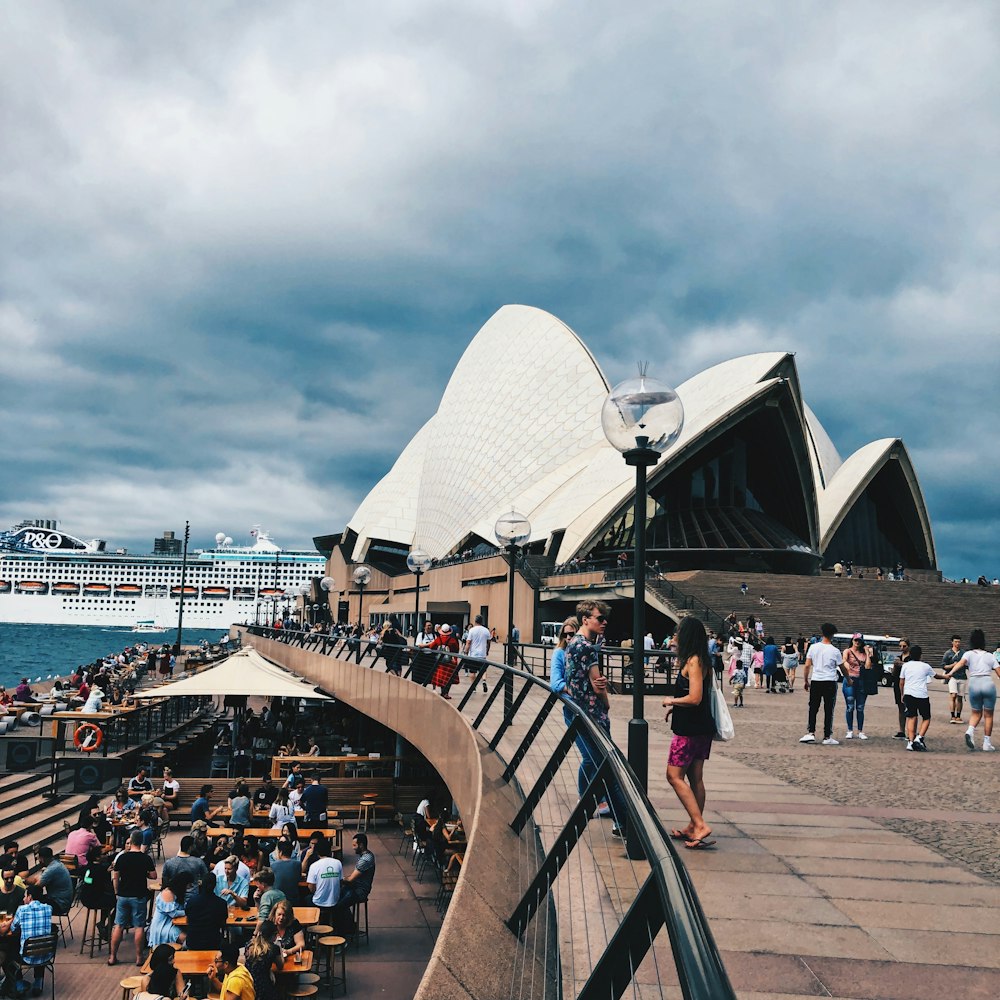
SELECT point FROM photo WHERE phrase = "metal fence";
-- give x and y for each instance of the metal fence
(608, 923)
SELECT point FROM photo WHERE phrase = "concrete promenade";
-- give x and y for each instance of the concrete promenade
(856, 871)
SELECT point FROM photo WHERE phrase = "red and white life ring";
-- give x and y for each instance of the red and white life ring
(88, 737)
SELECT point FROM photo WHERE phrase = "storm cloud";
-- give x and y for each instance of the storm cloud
(242, 245)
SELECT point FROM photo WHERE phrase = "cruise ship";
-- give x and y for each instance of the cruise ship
(48, 577)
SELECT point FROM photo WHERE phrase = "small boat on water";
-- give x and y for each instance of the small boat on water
(148, 626)
(4, 586)
(272, 592)
(188, 591)
(96, 589)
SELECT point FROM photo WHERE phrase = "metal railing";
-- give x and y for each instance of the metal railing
(605, 924)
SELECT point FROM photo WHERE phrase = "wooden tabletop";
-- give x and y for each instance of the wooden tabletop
(305, 915)
(304, 832)
(195, 963)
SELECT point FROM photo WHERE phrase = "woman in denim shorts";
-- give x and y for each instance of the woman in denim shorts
(982, 689)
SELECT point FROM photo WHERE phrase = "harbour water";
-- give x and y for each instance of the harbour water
(42, 650)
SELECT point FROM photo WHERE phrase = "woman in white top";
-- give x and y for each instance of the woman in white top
(982, 691)
(281, 812)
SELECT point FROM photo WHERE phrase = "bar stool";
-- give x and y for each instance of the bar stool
(332, 946)
(316, 931)
(366, 813)
(94, 936)
(302, 990)
(356, 911)
(308, 979)
(129, 984)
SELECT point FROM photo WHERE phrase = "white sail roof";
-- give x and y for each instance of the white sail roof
(243, 673)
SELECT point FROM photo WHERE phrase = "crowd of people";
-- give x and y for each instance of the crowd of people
(112, 850)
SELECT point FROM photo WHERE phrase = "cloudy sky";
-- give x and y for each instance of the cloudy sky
(243, 245)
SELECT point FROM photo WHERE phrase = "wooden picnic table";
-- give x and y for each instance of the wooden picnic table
(266, 832)
(195, 963)
(305, 915)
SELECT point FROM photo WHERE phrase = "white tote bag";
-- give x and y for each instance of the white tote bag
(724, 729)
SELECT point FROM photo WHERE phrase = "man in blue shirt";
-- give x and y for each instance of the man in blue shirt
(314, 802)
(33, 919)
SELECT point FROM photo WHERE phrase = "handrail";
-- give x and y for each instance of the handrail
(666, 899)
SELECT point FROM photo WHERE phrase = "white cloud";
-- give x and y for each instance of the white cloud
(248, 229)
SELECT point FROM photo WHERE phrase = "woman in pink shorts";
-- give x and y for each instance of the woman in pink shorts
(694, 729)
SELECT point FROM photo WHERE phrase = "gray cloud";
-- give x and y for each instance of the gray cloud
(244, 244)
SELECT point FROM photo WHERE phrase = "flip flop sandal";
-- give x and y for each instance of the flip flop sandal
(700, 845)
(679, 835)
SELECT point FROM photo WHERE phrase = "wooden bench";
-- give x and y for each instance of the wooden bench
(345, 795)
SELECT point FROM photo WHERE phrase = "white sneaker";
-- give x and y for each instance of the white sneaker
(989, 747)
(850, 735)
(808, 738)
(861, 736)
(831, 742)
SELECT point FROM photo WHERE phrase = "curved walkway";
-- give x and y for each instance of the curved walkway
(839, 871)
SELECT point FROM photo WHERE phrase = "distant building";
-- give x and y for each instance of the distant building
(167, 545)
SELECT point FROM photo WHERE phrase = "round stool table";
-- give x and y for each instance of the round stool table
(330, 946)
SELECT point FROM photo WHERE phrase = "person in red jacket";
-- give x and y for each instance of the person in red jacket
(446, 671)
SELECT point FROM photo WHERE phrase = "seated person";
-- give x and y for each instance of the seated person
(201, 809)
(232, 888)
(170, 792)
(55, 879)
(81, 840)
(265, 794)
(139, 785)
(206, 914)
(97, 890)
(12, 855)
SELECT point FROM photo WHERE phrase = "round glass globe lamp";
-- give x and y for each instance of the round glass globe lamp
(512, 528)
(328, 583)
(362, 575)
(643, 413)
(418, 561)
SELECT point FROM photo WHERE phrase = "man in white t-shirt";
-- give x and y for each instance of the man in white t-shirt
(913, 678)
(424, 809)
(823, 660)
(323, 879)
(477, 645)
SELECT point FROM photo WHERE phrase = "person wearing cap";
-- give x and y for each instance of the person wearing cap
(447, 670)
(857, 658)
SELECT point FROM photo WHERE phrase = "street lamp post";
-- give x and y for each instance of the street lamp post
(362, 575)
(510, 530)
(642, 418)
(326, 585)
(418, 562)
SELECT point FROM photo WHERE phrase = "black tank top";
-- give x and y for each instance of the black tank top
(693, 720)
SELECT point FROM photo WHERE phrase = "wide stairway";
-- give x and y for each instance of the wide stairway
(32, 818)
(928, 613)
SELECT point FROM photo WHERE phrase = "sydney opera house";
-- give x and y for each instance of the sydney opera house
(753, 483)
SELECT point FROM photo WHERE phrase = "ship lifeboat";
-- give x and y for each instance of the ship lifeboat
(243, 593)
(65, 587)
(4, 586)
(215, 593)
(97, 589)
(156, 590)
(272, 592)
(188, 591)
(31, 587)
(128, 590)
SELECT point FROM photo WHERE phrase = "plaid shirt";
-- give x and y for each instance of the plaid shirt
(34, 919)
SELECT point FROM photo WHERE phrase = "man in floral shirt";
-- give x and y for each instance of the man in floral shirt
(588, 687)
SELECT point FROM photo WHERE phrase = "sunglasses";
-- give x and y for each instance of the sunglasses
(566, 634)
(599, 618)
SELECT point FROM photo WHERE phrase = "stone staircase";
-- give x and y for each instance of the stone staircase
(927, 612)
(31, 817)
